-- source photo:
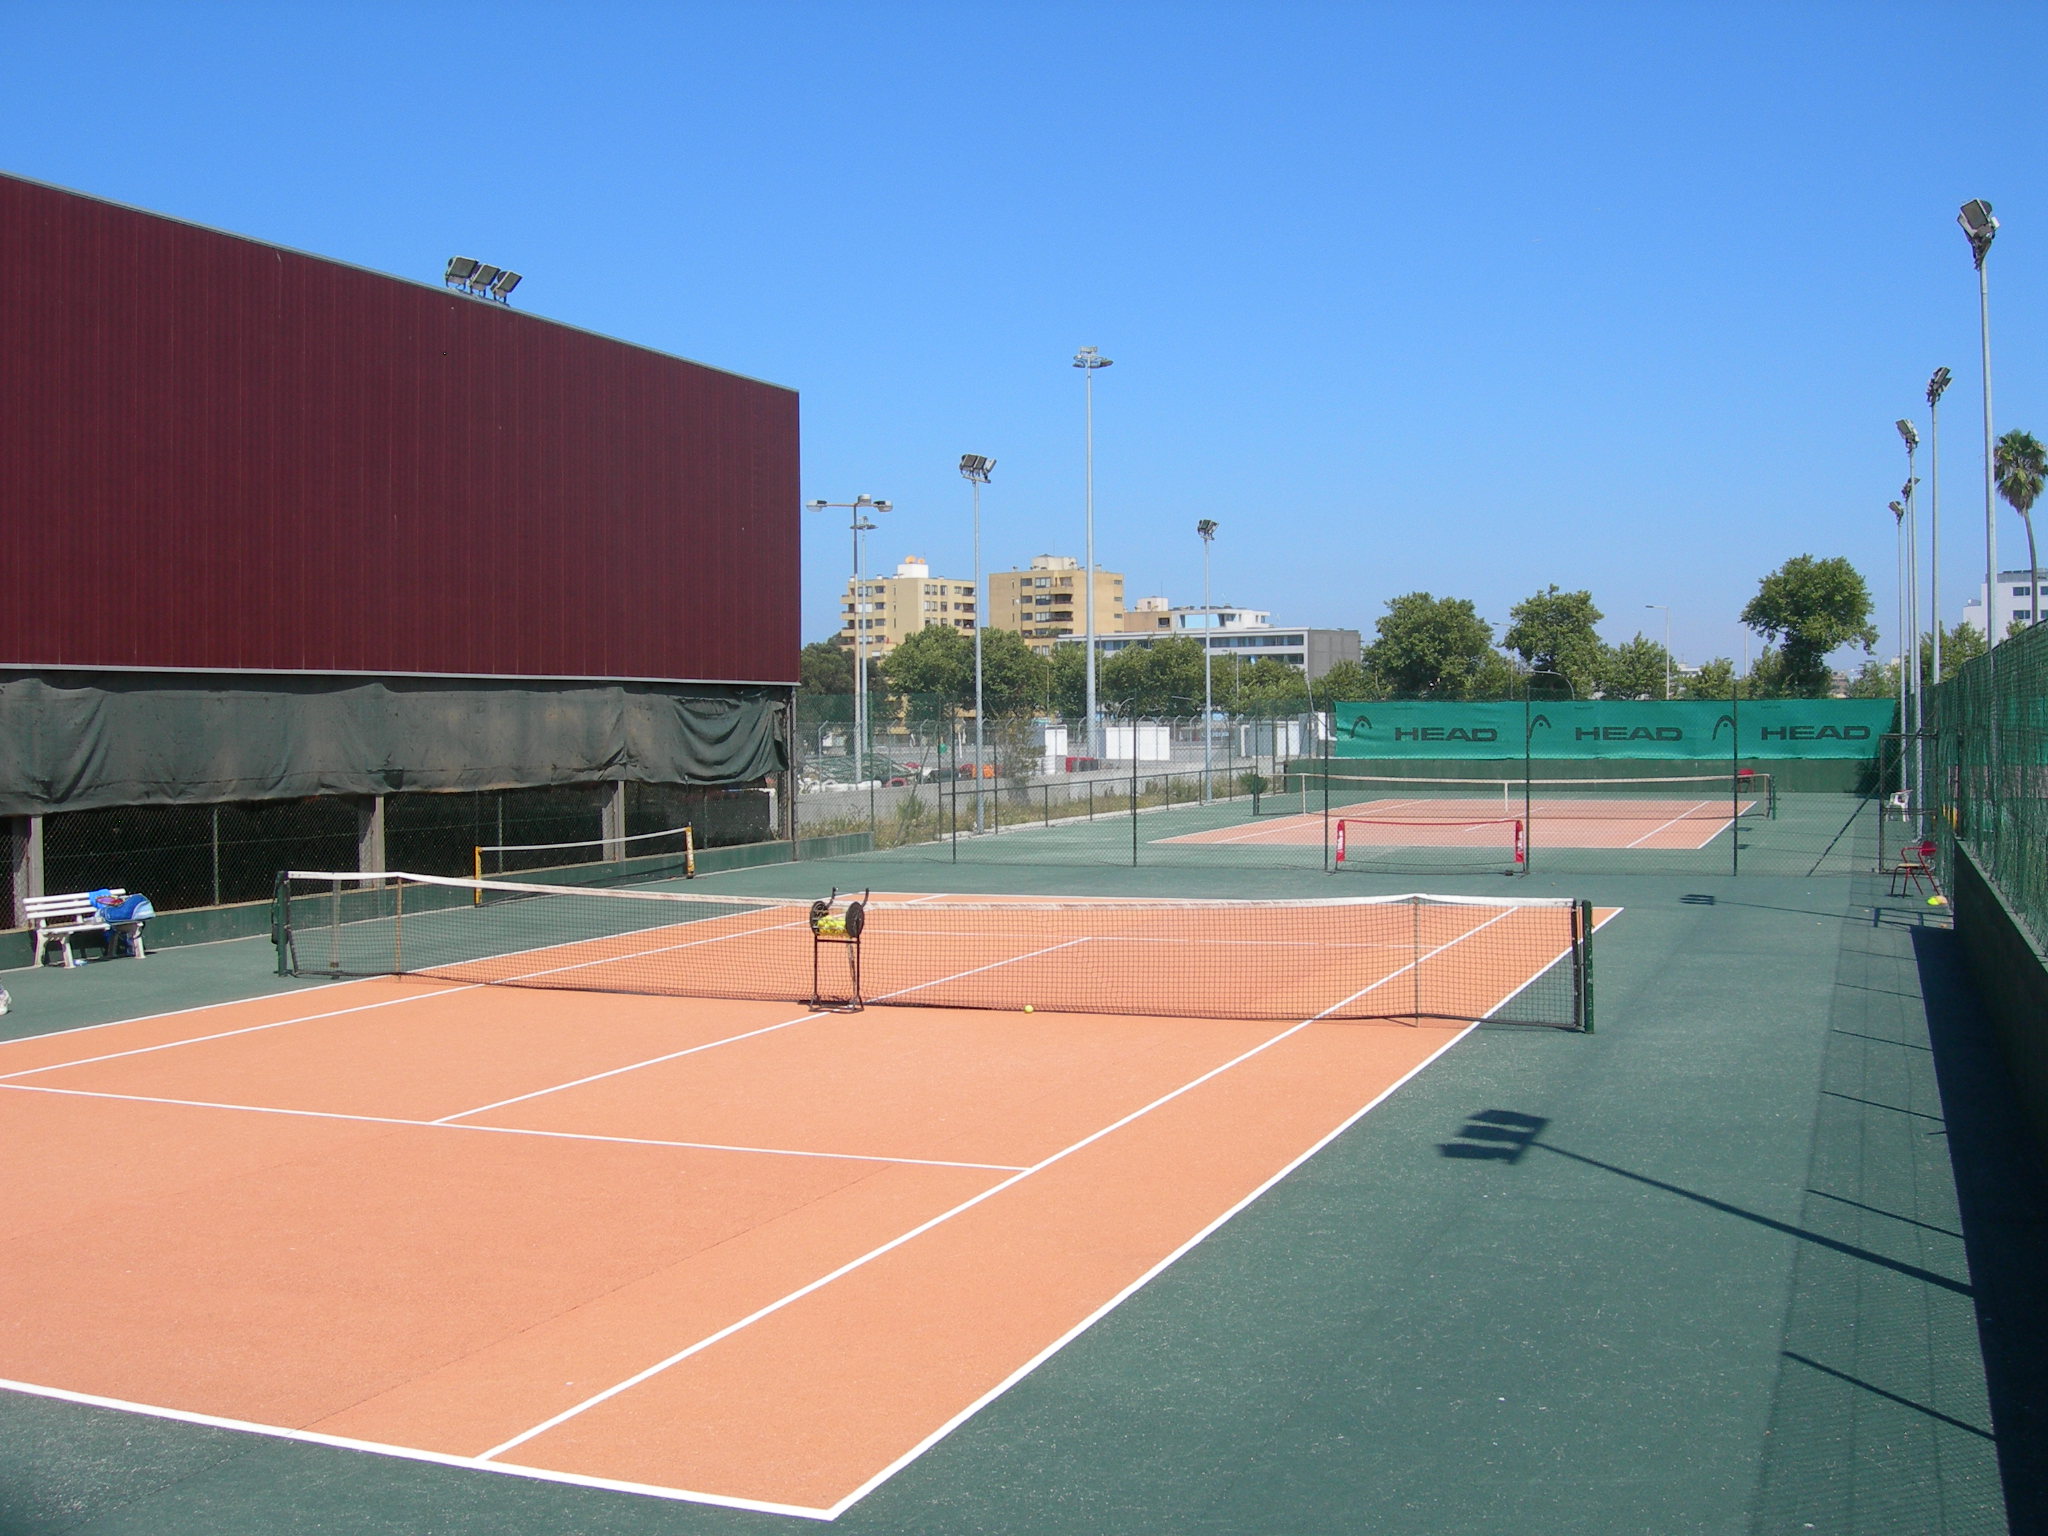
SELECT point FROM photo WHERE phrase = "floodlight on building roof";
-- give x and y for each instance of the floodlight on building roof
(483, 277)
(503, 284)
(459, 270)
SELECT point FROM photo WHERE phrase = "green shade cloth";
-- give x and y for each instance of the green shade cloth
(1603, 728)
(77, 741)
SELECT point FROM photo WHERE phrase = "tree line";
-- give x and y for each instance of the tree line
(1424, 647)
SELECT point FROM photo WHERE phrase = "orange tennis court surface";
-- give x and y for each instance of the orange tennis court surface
(1481, 822)
(729, 1251)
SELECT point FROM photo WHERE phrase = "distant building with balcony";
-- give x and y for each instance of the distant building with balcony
(890, 609)
(1046, 601)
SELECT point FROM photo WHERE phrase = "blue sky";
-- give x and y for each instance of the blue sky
(1468, 298)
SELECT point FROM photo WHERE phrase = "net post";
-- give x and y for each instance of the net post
(1734, 779)
(1415, 965)
(1582, 961)
(689, 852)
(281, 921)
(1328, 867)
(476, 871)
(1134, 792)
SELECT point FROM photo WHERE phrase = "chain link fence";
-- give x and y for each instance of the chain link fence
(190, 856)
(1987, 783)
(1251, 792)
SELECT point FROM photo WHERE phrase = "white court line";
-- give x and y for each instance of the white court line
(411, 1453)
(770, 1029)
(247, 1029)
(1674, 821)
(966, 1205)
(499, 1130)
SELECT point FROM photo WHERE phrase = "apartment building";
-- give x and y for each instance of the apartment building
(890, 609)
(2019, 594)
(1047, 600)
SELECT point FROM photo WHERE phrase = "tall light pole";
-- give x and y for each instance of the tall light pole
(1935, 386)
(1898, 509)
(859, 507)
(1667, 647)
(1982, 229)
(1206, 528)
(976, 469)
(1088, 359)
(1910, 661)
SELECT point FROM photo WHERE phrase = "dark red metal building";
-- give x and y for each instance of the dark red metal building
(219, 455)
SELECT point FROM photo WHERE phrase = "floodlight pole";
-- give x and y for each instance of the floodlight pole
(1088, 359)
(1667, 647)
(860, 504)
(1982, 229)
(976, 469)
(1206, 528)
(1910, 661)
(1898, 511)
(1935, 386)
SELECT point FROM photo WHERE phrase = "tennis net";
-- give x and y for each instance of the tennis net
(676, 845)
(1400, 957)
(1688, 797)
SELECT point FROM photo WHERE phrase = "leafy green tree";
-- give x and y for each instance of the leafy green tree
(1875, 680)
(1348, 682)
(1066, 682)
(1270, 687)
(1635, 669)
(1810, 607)
(935, 664)
(1715, 680)
(1013, 676)
(1434, 648)
(1552, 631)
(826, 667)
(2021, 463)
(1153, 681)
(1963, 643)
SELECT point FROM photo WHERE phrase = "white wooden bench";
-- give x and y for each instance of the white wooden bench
(55, 919)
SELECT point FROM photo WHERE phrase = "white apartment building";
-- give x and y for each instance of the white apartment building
(2014, 597)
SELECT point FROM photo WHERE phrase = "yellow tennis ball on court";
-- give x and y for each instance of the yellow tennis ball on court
(1029, 1009)
(1937, 901)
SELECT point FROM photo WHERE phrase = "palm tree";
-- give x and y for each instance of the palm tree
(2021, 463)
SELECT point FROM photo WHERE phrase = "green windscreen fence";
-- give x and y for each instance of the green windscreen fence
(1687, 729)
(1988, 783)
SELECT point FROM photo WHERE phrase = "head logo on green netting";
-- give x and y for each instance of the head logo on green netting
(1727, 720)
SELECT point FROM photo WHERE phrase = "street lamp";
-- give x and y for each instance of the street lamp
(1088, 359)
(1982, 229)
(859, 507)
(1935, 385)
(1206, 528)
(1667, 647)
(976, 471)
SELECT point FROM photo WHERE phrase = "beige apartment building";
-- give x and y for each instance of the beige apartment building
(890, 609)
(1046, 600)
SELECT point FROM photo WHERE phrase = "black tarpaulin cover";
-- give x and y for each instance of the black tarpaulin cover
(76, 741)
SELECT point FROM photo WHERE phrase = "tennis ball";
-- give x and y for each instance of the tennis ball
(1029, 1009)
(1937, 901)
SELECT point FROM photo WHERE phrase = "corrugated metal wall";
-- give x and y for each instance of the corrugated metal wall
(215, 454)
